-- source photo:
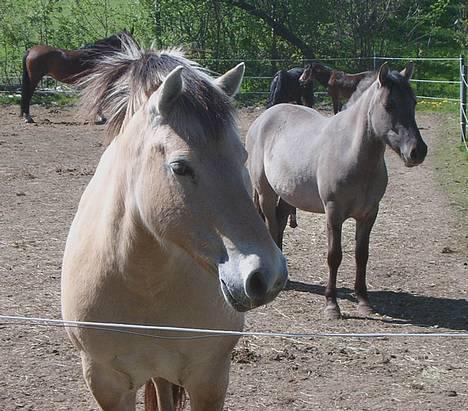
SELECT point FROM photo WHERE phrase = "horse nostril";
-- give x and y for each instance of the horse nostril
(256, 286)
(413, 154)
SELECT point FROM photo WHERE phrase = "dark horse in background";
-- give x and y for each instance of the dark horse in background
(340, 85)
(286, 88)
(67, 66)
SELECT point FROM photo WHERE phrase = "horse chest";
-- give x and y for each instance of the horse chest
(357, 193)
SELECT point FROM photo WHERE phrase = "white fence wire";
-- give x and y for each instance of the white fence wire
(51, 86)
(204, 333)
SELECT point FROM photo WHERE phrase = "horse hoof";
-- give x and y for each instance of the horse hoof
(292, 224)
(332, 312)
(28, 120)
(365, 310)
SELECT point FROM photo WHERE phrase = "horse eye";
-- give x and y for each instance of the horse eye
(181, 168)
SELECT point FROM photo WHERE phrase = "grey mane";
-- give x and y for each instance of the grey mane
(123, 81)
(396, 81)
(362, 86)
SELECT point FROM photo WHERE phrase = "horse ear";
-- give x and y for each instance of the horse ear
(407, 72)
(163, 99)
(231, 81)
(383, 73)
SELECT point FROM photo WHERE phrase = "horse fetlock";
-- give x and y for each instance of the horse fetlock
(332, 311)
(365, 309)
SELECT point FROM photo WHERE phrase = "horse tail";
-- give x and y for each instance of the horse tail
(25, 87)
(151, 399)
(273, 87)
(278, 89)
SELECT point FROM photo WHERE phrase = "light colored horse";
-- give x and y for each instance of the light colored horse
(166, 233)
(334, 165)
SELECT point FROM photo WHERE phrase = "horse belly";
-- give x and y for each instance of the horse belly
(305, 198)
(292, 188)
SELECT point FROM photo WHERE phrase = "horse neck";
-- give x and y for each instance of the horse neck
(324, 76)
(366, 146)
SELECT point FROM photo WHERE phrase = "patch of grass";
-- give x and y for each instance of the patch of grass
(438, 106)
(451, 163)
(47, 100)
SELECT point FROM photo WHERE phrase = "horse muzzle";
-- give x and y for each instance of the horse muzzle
(414, 154)
(257, 288)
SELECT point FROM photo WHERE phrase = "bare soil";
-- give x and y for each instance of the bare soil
(417, 281)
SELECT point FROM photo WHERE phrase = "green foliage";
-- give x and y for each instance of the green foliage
(219, 33)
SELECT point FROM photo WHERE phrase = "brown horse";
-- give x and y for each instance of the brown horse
(67, 66)
(340, 85)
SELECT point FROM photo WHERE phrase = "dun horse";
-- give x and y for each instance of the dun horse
(334, 165)
(285, 88)
(339, 84)
(67, 66)
(166, 233)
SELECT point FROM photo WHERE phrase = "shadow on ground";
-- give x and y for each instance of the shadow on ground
(404, 308)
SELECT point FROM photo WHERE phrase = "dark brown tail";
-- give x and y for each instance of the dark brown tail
(151, 398)
(25, 88)
(278, 89)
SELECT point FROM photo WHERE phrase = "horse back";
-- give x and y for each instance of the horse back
(63, 65)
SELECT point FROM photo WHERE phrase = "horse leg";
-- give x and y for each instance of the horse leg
(26, 97)
(293, 217)
(112, 390)
(336, 104)
(335, 255)
(363, 230)
(268, 201)
(257, 204)
(207, 386)
(283, 210)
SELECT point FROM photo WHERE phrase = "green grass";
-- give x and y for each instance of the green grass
(46, 100)
(438, 106)
(451, 164)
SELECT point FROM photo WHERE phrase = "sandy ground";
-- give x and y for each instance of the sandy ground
(417, 281)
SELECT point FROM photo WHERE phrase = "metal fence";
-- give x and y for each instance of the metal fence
(451, 88)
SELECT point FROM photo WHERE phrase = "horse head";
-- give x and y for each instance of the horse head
(186, 164)
(392, 115)
(307, 76)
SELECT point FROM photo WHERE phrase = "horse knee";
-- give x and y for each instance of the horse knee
(112, 390)
(207, 389)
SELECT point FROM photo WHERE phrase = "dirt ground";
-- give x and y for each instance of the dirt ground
(417, 280)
